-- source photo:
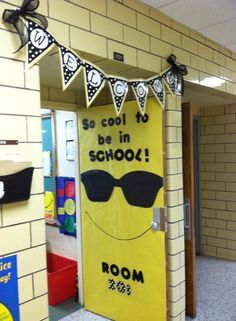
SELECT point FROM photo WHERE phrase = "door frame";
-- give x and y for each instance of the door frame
(197, 183)
(73, 108)
(189, 194)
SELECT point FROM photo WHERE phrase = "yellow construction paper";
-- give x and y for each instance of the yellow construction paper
(124, 260)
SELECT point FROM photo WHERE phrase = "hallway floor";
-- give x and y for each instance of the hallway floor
(63, 309)
(216, 290)
(83, 315)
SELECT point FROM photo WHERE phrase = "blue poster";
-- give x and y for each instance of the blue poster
(9, 299)
(66, 206)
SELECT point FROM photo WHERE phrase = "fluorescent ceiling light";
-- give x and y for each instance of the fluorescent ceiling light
(212, 82)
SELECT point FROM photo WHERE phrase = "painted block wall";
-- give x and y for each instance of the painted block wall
(218, 181)
(22, 226)
(174, 199)
(146, 38)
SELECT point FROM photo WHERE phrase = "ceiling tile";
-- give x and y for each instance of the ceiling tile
(232, 47)
(222, 33)
(158, 3)
(213, 18)
(196, 14)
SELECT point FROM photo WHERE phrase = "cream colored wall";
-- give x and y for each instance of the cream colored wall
(218, 180)
(146, 38)
(196, 110)
(174, 197)
(22, 227)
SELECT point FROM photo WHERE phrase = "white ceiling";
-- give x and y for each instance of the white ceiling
(216, 19)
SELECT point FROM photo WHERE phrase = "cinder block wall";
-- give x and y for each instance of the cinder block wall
(174, 197)
(218, 179)
(22, 227)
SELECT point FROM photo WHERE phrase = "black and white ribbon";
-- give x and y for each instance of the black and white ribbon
(26, 10)
(174, 76)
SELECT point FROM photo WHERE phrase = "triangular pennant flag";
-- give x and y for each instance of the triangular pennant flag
(140, 89)
(95, 80)
(158, 89)
(70, 65)
(170, 80)
(40, 42)
(119, 89)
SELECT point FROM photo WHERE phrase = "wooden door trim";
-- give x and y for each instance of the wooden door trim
(188, 180)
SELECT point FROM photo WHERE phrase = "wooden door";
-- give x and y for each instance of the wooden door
(188, 179)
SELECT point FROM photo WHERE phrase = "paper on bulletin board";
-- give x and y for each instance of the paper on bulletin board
(70, 130)
(70, 150)
(9, 300)
(47, 163)
(124, 260)
(49, 206)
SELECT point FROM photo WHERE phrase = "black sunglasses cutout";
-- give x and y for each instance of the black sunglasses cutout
(140, 188)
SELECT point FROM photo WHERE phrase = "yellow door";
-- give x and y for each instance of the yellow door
(121, 166)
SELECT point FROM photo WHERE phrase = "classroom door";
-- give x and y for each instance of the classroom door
(121, 166)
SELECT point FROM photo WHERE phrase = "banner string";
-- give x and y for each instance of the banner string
(114, 237)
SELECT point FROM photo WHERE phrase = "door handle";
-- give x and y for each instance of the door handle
(187, 220)
(186, 214)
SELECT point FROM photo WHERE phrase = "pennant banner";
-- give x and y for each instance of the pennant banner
(119, 89)
(140, 89)
(170, 80)
(70, 65)
(39, 44)
(95, 81)
(158, 89)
